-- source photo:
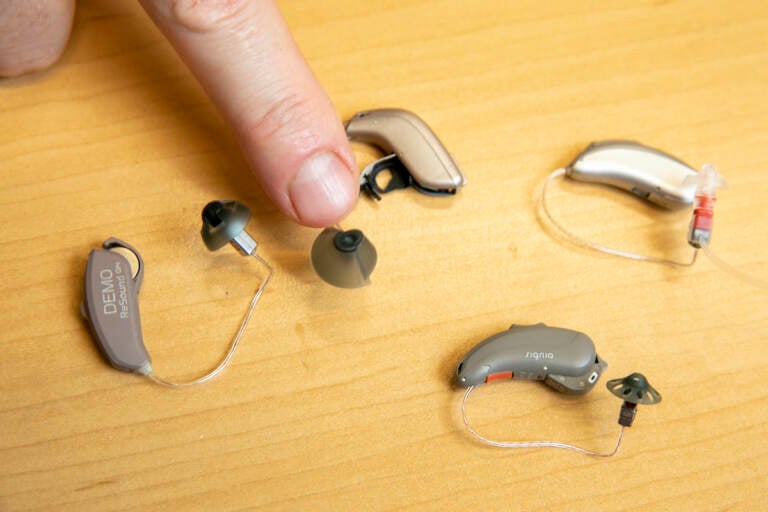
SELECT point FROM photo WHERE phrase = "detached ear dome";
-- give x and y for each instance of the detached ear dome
(343, 258)
(635, 389)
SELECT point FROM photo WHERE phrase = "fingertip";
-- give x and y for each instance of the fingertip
(323, 190)
(246, 59)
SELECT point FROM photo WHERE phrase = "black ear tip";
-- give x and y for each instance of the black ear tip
(634, 388)
(222, 222)
(212, 213)
(348, 241)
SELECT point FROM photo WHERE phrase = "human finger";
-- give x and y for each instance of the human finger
(247, 61)
(33, 34)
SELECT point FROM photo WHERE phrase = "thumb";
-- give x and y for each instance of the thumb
(245, 58)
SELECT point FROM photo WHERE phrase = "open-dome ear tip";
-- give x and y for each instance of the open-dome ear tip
(634, 388)
(343, 258)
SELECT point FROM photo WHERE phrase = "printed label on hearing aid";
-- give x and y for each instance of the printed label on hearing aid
(562, 358)
(540, 355)
(111, 307)
(114, 291)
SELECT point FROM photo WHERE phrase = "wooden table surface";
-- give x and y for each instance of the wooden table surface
(343, 399)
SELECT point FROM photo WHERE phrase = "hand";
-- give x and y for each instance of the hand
(245, 58)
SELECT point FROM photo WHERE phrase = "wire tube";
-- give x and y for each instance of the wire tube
(740, 274)
(532, 444)
(568, 235)
(149, 373)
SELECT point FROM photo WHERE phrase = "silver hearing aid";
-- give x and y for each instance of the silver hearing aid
(111, 305)
(415, 156)
(647, 172)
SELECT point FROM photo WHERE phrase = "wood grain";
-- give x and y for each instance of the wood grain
(342, 400)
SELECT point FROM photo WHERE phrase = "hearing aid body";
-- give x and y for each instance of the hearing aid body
(415, 156)
(111, 306)
(644, 171)
(564, 359)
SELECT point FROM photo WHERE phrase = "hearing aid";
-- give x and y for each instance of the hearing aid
(415, 155)
(647, 172)
(564, 359)
(644, 171)
(111, 306)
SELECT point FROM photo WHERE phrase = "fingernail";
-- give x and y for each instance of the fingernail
(323, 190)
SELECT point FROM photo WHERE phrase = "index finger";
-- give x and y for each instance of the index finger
(245, 58)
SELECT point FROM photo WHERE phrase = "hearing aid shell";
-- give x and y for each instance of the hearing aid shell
(564, 359)
(411, 146)
(642, 170)
(111, 306)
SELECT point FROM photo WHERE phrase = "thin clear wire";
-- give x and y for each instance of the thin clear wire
(235, 340)
(740, 274)
(532, 444)
(586, 243)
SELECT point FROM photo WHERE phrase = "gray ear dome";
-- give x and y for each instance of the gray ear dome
(343, 258)
(222, 222)
(635, 389)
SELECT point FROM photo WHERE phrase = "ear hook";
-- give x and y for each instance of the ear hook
(112, 243)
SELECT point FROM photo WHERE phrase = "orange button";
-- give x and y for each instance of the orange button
(499, 376)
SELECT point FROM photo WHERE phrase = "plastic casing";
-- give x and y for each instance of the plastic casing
(644, 171)
(564, 358)
(112, 310)
(416, 146)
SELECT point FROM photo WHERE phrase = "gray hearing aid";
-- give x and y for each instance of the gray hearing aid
(564, 359)
(644, 171)
(111, 306)
(343, 258)
(415, 156)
